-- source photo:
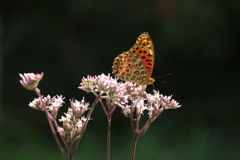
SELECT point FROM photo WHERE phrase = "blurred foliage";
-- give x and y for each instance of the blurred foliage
(196, 40)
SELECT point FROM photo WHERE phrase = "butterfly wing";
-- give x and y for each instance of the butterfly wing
(145, 49)
(129, 66)
(136, 65)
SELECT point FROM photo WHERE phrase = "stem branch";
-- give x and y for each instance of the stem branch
(50, 123)
(86, 122)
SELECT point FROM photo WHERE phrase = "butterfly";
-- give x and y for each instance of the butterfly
(136, 65)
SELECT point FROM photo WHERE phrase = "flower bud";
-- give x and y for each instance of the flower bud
(30, 80)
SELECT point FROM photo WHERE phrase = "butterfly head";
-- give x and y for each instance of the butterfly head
(148, 82)
(151, 81)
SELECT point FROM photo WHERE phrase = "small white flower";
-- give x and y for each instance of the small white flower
(79, 107)
(126, 110)
(140, 106)
(67, 122)
(62, 131)
(37, 104)
(55, 105)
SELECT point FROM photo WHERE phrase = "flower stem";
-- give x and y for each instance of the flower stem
(108, 136)
(144, 129)
(70, 155)
(104, 109)
(86, 122)
(109, 117)
(134, 146)
(56, 126)
(50, 123)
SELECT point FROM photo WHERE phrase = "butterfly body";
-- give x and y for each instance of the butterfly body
(136, 65)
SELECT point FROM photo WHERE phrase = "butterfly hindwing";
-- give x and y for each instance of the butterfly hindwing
(128, 66)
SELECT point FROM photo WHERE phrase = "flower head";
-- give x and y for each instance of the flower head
(72, 120)
(136, 92)
(117, 95)
(154, 100)
(67, 121)
(55, 105)
(155, 103)
(106, 86)
(140, 106)
(30, 80)
(173, 105)
(105, 83)
(79, 125)
(125, 93)
(126, 110)
(87, 84)
(100, 83)
(79, 107)
(62, 132)
(37, 103)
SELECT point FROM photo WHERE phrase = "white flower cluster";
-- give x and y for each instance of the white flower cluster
(37, 104)
(129, 96)
(73, 121)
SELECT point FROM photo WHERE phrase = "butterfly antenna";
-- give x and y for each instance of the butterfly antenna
(161, 81)
(163, 75)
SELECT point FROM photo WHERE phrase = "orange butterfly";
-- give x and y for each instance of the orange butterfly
(136, 65)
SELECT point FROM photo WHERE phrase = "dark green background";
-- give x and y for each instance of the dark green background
(196, 40)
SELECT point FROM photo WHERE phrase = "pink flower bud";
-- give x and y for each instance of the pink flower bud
(30, 80)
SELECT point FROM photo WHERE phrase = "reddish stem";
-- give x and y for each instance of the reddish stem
(86, 122)
(108, 136)
(134, 146)
(50, 123)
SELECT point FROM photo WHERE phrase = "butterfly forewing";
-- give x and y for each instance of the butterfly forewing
(144, 48)
(136, 65)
